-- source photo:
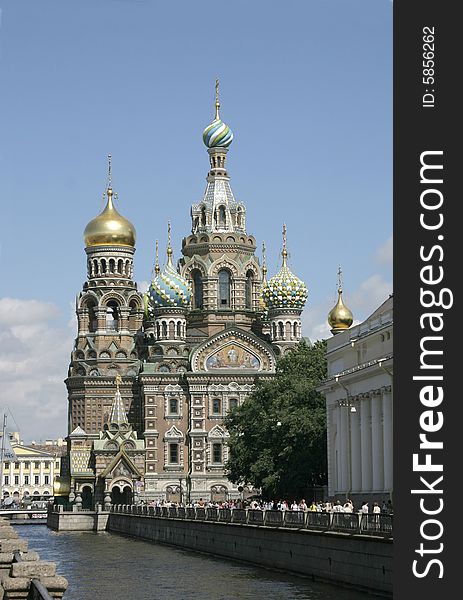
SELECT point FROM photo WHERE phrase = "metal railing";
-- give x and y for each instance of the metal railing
(351, 523)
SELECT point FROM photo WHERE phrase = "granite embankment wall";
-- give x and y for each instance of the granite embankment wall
(364, 562)
(22, 574)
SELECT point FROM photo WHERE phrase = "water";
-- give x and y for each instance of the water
(108, 566)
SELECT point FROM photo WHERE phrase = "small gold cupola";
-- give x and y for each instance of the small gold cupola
(340, 317)
(109, 228)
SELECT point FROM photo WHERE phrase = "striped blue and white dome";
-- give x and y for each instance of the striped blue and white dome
(217, 135)
(168, 289)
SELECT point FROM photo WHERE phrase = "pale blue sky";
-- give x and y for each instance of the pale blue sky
(306, 87)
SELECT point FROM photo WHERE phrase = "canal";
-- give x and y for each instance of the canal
(107, 566)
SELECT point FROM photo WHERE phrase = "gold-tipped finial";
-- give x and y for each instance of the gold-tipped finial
(217, 103)
(264, 263)
(118, 381)
(109, 189)
(340, 317)
(339, 279)
(284, 252)
(169, 247)
(157, 269)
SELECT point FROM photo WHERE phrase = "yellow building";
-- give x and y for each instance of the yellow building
(31, 475)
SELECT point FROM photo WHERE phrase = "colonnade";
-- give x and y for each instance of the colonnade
(363, 448)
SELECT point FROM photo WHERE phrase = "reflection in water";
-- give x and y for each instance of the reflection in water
(107, 566)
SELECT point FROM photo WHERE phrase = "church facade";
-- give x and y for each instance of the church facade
(153, 375)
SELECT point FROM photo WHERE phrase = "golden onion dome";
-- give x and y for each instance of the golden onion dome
(109, 228)
(61, 486)
(340, 317)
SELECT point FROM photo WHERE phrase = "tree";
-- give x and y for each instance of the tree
(278, 435)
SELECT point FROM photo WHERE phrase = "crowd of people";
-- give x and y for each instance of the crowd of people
(283, 505)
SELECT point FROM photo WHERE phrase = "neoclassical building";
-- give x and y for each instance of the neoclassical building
(358, 393)
(184, 354)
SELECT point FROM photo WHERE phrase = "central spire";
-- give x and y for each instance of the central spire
(218, 211)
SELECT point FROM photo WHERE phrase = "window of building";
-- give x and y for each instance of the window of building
(7, 465)
(16, 479)
(7, 480)
(173, 406)
(47, 465)
(47, 479)
(232, 403)
(26, 479)
(16, 465)
(112, 318)
(216, 406)
(217, 453)
(36, 479)
(37, 465)
(27, 465)
(197, 289)
(173, 453)
(224, 289)
(249, 285)
(57, 464)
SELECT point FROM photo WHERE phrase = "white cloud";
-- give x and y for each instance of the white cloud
(384, 254)
(34, 356)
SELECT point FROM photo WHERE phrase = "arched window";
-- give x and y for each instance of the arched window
(112, 318)
(274, 327)
(179, 329)
(158, 331)
(197, 289)
(281, 330)
(112, 265)
(103, 265)
(216, 406)
(173, 406)
(171, 330)
(92, 320)
(222, 217)
(239, 217)
(203, 216)
(164, 329)
(249, 286)
(295, 329)
(224, 289)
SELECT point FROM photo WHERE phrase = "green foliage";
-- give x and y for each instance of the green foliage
(278, 435)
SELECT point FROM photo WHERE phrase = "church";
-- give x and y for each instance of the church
(152, 375)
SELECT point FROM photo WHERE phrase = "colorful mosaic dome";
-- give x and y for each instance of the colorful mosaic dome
(168, 289)
(217, 135)
(284, 290)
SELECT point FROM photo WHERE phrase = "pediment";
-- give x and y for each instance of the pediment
(121, 466)
(233, 350)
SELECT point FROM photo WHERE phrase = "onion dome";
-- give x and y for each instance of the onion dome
(109, 228)
(285, 290)
(168, 288)
(340, 317)
(217, 134)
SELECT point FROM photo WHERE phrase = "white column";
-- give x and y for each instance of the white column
(377, 442)
(365, 444)
(388, 441)
(356, 460)
(344, 450)
(338, 449)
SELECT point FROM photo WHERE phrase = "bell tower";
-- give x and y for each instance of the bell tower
(219, 256)
(109, 313)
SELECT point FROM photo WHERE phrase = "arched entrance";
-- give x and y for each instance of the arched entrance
(218, 493)
(87, 497)
(122, 494)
